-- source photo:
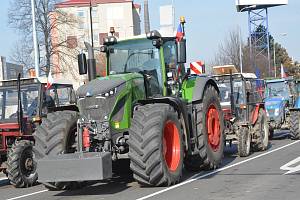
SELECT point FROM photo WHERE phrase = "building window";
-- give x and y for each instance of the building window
(72, 42)
(94, 12)
(80, 13)
(96, 37)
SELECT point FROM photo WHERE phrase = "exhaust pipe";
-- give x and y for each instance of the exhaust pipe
(91, 62)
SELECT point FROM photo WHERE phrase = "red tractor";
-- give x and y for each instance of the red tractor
(244, 109)
(23, 104)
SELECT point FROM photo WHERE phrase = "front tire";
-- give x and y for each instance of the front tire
(210, 126)
(21, 167)
(295, 125)
(57, 135)
(244, 141)
(156, 145)
(261, 128)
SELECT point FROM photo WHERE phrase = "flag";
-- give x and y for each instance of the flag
(283, 74)
(49, 80)
(180, 33)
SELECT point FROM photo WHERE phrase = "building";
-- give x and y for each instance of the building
(123, 15)
(9, 70)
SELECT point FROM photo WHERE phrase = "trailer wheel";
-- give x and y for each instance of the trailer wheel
(210, 128)
(156, 145)
(57, 135)
(21, 166)
(295, 125)
(261, 129)
(244, 141)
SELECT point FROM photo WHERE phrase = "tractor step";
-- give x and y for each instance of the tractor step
(75, 167)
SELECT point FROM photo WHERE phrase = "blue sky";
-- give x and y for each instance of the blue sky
(208, 23)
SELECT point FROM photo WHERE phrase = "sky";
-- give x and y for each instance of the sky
(208, 23)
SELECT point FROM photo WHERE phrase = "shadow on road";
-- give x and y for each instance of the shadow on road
(123, 180)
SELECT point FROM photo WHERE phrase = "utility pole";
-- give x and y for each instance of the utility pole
(146, 16)
(35, 42)
(241, 53)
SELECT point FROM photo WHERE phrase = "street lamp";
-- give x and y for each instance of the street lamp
(35, 42)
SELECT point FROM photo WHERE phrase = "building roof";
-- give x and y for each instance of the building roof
(83, 3)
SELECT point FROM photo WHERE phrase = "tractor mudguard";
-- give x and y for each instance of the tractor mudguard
(200, 85)
(297, 103)
(256, 112)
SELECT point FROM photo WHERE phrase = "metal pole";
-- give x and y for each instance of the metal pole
(241, 56)
(274, 49)
(35, 42)
(91, 24)
(268, 42)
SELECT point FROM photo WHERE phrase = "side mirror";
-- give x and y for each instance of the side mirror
(181, 51)
(82, 64)
(72, 97)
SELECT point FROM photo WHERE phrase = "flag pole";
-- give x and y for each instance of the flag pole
(35, 42)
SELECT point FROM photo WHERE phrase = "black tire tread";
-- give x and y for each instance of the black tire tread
(13, 167)
(295, 125)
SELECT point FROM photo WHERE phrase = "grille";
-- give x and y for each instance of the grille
(96, 108)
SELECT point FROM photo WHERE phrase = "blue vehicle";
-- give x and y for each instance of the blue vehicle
(281, 105)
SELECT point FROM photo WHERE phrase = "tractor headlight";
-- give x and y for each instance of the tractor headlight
(109, 93)
(276, 112)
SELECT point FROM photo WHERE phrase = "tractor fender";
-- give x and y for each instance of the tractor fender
(201, 84)
(297, 103)
(255, 112)
(181, 109)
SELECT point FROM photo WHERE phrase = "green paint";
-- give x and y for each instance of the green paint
(164, 75)
(188, 89)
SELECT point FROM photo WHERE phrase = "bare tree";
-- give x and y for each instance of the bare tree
(48, 20)
(229, 50)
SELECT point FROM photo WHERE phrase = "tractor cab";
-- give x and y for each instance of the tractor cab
(242, 104)
(281, 97)
(23, 104)
(239, 92)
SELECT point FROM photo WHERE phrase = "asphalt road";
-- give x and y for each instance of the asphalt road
(273, 174)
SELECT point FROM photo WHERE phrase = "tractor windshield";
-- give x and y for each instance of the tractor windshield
(135, 56)
(225, 92)
(9, 101)
(278, 89)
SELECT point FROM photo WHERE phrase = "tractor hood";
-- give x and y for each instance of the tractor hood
(275, 107)
(105, 84)
(274, 102)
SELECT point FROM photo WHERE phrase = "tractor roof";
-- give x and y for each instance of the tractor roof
(279, 80)
(28, 81)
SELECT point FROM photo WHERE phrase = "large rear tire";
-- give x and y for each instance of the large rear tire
(295, 125)
(156, 146)
(57, 135)
(244, 141)
(210, 127)
(261, 129)
(21, 166)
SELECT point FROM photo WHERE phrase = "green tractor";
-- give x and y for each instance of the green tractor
(147, 109)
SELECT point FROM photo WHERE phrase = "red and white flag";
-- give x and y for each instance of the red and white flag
(197, 67)
(50, 80)
(283, 74)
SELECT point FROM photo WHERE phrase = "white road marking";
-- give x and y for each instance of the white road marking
(199, 176)
(192, 179)
(291, 166)
(27, 195)
(3, 178)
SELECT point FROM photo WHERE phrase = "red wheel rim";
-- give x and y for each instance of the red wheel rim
(213, 127)
(171, 145)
